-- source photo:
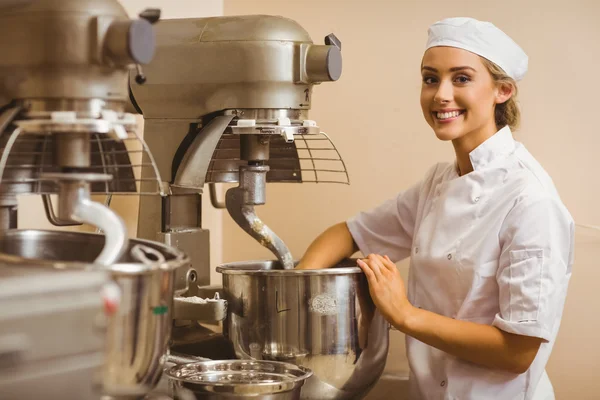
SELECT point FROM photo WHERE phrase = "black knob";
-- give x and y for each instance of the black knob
(151, 15)
(332, 40)
(140, 78)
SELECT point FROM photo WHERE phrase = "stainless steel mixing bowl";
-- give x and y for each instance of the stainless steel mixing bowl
(323, 320)
(138, 332)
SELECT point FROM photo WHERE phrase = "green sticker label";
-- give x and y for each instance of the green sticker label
(160, 310)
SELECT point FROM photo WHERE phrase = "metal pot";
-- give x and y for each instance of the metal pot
(236, 380)
(323, 320)
(138, 331)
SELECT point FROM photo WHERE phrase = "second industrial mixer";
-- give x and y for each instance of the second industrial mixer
(227, 101)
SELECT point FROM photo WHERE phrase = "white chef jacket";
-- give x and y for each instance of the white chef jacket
(494, 247)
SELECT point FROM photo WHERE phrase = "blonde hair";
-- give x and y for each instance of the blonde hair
(506, 113)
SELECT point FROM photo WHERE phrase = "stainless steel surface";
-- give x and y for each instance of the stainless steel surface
(138, 333)
(52, 333)
(240, 202)
(237, 379)
(265, 59)
(323, 320)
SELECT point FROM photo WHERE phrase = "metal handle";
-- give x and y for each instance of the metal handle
(54, 220)
(212, 187)
(147, 255)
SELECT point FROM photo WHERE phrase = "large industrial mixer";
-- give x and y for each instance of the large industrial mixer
(94, 311)
(227, 101)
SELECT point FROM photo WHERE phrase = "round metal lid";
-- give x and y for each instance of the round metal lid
(66, 250)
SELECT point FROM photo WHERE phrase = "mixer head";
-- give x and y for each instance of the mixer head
(215, 82)
(227, 100)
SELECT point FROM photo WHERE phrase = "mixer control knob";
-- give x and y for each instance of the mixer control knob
(332, 40)
(130, 42)
(323, 63)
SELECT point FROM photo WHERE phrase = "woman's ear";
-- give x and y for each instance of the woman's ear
(504, 93)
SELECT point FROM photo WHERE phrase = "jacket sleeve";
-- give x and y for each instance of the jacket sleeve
(537, 242)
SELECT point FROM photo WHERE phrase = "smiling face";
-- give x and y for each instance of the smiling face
(458, 95)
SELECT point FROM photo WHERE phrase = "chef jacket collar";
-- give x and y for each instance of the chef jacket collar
(498, 146)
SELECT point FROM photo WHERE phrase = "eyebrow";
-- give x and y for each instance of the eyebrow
(453, 69)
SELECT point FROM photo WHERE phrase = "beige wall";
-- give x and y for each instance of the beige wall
(373, 116)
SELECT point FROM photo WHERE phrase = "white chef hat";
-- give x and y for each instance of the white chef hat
(481, 38)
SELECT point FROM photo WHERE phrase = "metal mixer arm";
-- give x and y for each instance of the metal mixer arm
(75, 204)
(245, 216)
(112, 225)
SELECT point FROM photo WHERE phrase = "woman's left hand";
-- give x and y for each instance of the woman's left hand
(386, 287)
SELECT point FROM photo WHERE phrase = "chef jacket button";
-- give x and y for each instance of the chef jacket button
(416, 250)
(449, 256)
(443, 384)
(476, 199)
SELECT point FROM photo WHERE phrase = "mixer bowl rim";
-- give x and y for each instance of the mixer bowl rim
(253, 268)
(179, 258)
